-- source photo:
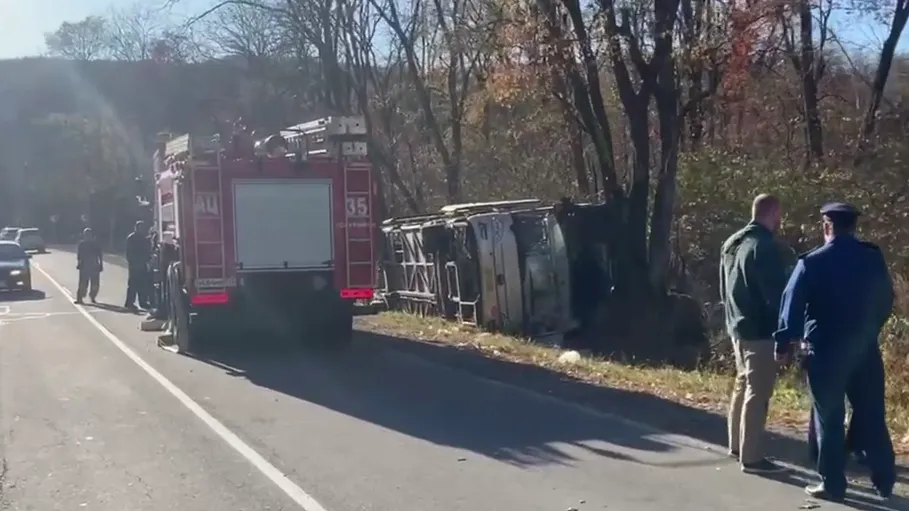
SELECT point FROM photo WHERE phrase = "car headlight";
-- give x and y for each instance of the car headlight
(15, 273)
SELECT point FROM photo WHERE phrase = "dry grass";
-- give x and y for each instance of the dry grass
(895, 343)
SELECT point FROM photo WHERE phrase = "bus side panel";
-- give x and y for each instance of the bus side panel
(500, 276)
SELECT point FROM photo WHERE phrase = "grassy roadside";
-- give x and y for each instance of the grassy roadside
(702, 389)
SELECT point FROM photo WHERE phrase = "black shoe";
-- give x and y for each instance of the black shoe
(818, 491)
(78, 301)
(94, 299)
(732, 454)
(764, 466)
(884, 493)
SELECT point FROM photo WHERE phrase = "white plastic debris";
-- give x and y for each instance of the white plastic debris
(570, 357)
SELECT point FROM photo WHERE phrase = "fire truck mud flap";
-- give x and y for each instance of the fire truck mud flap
(187, 332)
(177, 338)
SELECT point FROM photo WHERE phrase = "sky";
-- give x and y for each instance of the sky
(25, 22)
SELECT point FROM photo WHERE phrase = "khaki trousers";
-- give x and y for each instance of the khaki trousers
(755, 378)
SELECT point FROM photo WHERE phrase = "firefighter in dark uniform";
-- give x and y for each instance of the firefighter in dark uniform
(138, 254)
(837, 300)
(90, 264)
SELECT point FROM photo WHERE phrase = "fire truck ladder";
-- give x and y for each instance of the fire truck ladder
(351, 192)
(187, 146)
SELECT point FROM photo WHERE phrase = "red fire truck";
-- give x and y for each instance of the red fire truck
(279, 230)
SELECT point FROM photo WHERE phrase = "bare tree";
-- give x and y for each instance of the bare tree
(897, 24)
(377, 94)
(249, 31)
(808, 60)
(638, 77)
(258, 43)
(136, 32)
(81, 40)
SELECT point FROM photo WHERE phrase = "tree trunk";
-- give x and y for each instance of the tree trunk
(583, 80)
(660, 251)
(639, 195)
(575, 139)
(576, 143)
(900, 16)
(696, 112)
(808, 61)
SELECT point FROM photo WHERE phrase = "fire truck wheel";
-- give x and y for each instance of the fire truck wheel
(179, 312)
(182, 332)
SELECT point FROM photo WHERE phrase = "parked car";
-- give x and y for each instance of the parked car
(9, 233)
(15, 270)
(31, 239)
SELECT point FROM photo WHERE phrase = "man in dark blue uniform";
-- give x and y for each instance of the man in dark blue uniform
(90, 264)
(138, 255)
(837, 300)
(853, 437)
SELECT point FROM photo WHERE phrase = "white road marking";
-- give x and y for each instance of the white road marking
(37, 314)
(297, 494)
(24, 316)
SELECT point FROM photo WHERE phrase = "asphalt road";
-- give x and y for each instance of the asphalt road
(93, 415)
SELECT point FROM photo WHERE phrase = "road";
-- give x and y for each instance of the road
(93, 415)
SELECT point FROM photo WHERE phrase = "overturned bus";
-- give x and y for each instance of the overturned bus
(520, 267)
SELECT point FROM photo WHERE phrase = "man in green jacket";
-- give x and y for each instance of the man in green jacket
(752, 278)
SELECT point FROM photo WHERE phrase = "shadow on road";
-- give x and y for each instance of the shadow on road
(22, 296)
(107, 307)
(863, 501)
(375, 383)
(790, 447)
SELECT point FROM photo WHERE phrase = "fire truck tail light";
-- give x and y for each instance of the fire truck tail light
(357, 294)
(211, 298)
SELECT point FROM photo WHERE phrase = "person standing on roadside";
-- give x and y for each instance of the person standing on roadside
(837, 300)
(138, 253)
(752, 277)
(90, 264)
